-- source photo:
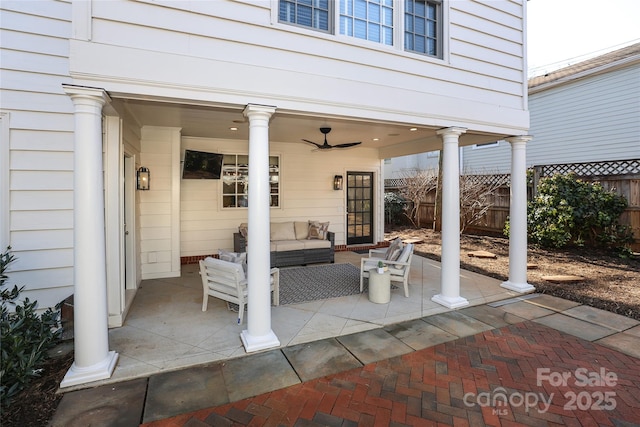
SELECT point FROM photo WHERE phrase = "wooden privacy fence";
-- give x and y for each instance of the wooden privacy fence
(622, 176)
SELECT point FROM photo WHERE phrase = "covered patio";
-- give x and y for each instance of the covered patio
(149, 233)
(166, 329)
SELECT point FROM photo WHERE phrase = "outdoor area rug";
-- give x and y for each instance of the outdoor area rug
(300, 284)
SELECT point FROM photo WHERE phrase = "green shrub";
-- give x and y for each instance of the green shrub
(394, 206)
(26, 336)
(568, 211)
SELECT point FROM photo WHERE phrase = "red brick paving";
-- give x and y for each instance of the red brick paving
(472, 381)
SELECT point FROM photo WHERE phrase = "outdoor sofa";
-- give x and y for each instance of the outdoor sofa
(294, 242)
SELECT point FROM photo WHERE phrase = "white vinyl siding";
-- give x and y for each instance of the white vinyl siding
(34, 64)
(159, 219)
(212, 50)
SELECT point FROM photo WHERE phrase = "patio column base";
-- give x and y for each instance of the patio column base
(450, 302)
(100, 371)
(256, 343)
(518, 287)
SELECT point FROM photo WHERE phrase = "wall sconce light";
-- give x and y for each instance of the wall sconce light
(337, 182)
(143, 178)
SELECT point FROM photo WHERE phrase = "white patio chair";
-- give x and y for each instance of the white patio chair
(227, 281)
(399, 269)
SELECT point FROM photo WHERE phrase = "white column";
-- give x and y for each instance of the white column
(258, 335)
(93, 360)
(518, 217)
(449, 295)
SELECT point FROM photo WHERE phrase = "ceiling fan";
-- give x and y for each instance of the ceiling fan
(326, 146)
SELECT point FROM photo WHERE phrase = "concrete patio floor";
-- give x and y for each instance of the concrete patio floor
(166, 329)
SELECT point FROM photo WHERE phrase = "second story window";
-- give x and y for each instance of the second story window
(421, 27)
(367, 19)
(306, 13)
(421, 21)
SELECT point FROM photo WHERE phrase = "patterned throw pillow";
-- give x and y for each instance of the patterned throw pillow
(394, 250)
(244, 229)
(318, 230)
(235, 257)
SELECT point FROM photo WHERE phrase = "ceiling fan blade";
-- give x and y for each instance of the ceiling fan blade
(314, 143)
(350, 144)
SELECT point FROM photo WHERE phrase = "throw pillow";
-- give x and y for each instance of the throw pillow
(394, 250)
(244, 229)
(235, 257)
(404, 256)
(318, 230)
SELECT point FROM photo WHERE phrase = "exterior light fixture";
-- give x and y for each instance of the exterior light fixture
(337, 182)
(143, 177)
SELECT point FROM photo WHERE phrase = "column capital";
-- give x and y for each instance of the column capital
(98, 95)
(457, 131)
(252, 109)
(520, 139)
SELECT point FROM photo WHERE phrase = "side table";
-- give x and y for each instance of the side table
(379, 286)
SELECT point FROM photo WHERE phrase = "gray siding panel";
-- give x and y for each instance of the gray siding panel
(593, 119)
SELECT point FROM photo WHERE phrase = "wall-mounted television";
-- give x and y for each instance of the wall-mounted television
(201, 165)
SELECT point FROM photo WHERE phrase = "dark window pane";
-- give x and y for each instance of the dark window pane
(374, 13)
(431, 29)
(374, 32)
(304, 15)
(433, 47)
(360, 30)
(408, 23)
(420, 26)
(420, 44)
(408, 41)
(387, 34)
(309, 13)
(321, 20)
(361, 9)
(431, 12)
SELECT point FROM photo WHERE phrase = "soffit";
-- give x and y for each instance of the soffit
(216, 122)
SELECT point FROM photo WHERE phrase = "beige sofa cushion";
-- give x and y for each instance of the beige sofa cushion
(288, 245)
(282, 231)
(316, 244)
(302, 229)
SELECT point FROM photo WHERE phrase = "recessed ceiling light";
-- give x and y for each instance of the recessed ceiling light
(233, 128)
(413, 129)
(376, 139)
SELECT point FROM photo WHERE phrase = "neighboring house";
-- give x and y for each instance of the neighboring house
(587, 112)
(94, 92)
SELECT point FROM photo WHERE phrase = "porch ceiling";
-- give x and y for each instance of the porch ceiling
(392, 139)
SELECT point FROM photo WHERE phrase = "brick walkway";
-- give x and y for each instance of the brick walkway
(520, 375)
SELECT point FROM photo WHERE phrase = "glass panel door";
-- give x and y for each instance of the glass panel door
(359, 207)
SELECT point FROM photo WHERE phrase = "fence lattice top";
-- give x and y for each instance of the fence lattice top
(496, 180)
(492, 180)
(592, 169)
(616, 167)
